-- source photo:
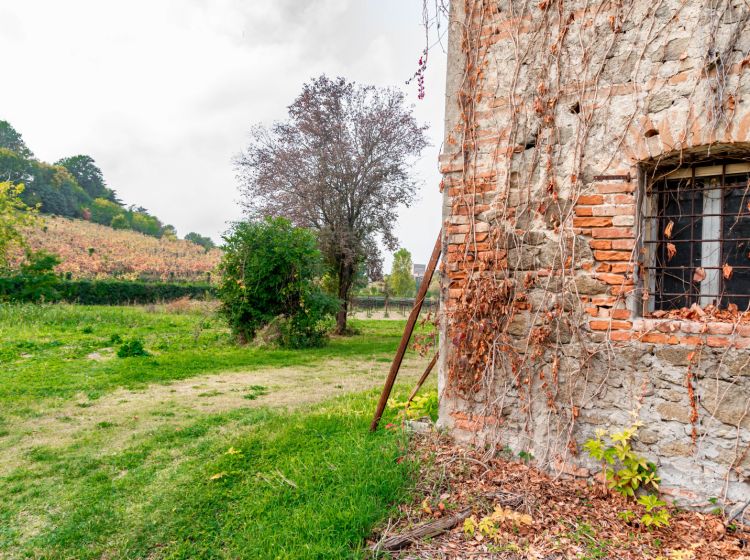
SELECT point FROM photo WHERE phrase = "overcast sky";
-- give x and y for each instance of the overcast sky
(162, 93)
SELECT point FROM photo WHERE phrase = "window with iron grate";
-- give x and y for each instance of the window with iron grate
(697, 237)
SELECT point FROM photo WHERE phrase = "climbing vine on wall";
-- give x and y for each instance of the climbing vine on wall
(530, 118)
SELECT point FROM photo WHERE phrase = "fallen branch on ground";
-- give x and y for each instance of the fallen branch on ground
(431, 529)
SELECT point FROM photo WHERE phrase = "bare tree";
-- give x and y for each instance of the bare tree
(339, 165)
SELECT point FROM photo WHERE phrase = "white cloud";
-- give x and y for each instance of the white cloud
(162, 93)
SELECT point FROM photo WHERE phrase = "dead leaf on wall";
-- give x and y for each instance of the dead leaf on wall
(668, 229)
(699, 275)
(671, 251)
(726, 270)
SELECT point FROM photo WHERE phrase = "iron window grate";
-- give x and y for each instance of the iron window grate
(699, 250)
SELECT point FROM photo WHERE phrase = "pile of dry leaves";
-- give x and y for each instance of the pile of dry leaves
(527, 514)
(695, 312)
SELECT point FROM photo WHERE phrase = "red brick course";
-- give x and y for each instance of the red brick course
(596, 217)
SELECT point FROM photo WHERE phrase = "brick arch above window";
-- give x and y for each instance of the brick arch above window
(649, 139)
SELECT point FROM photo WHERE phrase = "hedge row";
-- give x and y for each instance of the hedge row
(98, 292)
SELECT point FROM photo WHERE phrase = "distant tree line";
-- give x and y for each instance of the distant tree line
(74, 187)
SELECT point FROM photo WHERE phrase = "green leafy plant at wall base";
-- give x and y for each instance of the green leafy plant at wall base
(420, 406)
(627, 472)
(656, 515)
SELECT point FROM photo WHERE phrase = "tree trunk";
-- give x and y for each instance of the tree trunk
(346, 277)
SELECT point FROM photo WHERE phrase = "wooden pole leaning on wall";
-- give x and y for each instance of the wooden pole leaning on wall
(410, 323)
(422, 379)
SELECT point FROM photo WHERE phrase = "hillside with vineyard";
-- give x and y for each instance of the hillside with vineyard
(75, 187)
(89, 250)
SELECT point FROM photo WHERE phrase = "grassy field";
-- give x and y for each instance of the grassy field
(201, 450)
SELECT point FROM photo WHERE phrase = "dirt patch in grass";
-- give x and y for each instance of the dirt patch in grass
(112, 421)
(394, 314)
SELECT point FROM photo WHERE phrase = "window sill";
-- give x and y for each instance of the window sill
(692, 326)
(709, 332)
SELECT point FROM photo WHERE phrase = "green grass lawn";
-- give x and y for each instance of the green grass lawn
(250, 482)
(44, 349)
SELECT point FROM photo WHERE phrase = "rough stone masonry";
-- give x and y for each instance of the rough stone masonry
(562, 120)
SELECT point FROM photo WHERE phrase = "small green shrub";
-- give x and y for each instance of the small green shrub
(656, 514)
(269, 270)
(627, 473)
(420, 407)
(132, 348)
(625, 470)
(525, 456)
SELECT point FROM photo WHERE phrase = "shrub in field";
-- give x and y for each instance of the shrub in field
(268, 270)
(307, 327)
(36, 280)
(132, 348)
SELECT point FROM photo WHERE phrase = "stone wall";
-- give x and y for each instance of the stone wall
(558, 115)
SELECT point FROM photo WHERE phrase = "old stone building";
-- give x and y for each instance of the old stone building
(596, 264)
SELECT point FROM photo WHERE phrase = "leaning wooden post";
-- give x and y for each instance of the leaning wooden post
(422, 379)
(413, 316)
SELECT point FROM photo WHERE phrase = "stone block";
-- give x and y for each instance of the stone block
(588, 285)
(680, 448)
(674, 411)
(660, 101)
(726, 401)
(676, 356)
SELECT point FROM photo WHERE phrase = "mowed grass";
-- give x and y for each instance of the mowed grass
(250, 482)
(247, 484)
(45, 351)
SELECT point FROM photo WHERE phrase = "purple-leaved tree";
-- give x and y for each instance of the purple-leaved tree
(340, 165)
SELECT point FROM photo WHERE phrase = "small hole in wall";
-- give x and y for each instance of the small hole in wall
(575, 108)
(651, 132)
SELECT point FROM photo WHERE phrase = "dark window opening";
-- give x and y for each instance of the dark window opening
(699, 243)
